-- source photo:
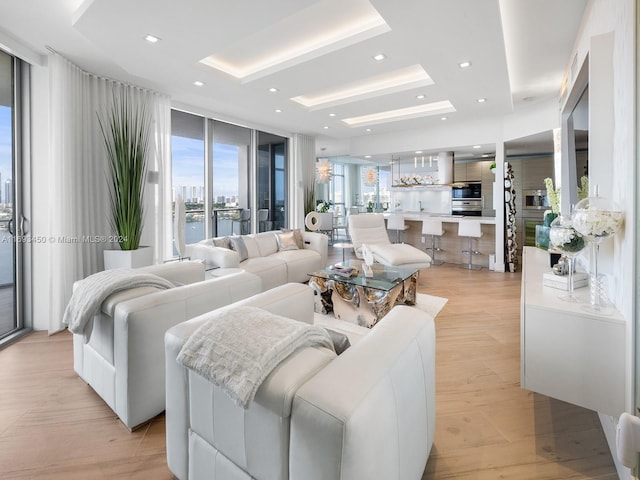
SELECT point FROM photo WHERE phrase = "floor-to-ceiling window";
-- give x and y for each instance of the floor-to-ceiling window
(11, 219)
(231, 168)
(188, 170)
(227, 192)
(337, 190)
(271, 182)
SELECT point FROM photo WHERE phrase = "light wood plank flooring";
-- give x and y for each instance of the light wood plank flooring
(53, 426)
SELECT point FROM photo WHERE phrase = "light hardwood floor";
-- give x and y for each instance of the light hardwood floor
(53, 426)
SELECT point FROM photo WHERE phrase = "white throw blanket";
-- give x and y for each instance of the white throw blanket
(93, 290)
(237, 348)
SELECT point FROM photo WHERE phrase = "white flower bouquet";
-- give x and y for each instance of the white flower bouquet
(322, 207)
(566, 239)
(598, 224)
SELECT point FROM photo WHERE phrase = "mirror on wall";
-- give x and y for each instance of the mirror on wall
(574, 163)
(580, 123)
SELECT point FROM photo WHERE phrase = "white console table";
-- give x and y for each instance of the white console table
(566, 352)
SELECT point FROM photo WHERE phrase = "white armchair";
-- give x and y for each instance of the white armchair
(121, 354)
(370, 229)
(316, 416)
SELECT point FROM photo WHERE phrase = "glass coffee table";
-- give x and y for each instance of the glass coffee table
(360, 299)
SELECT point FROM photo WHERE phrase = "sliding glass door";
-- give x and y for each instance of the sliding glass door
(233, 179)
(272, 182)
(11, 219)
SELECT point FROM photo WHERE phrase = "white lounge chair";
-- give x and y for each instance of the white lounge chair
(370, 229)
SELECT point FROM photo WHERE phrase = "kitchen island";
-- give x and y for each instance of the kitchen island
(450, 243)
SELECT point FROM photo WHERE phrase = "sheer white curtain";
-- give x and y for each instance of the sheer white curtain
(78, 195)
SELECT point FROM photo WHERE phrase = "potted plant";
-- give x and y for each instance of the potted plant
(126, 132)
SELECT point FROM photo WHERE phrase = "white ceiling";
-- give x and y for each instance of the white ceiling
(519, 50)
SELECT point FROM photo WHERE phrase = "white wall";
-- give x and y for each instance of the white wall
(612, 146)
(447, 135)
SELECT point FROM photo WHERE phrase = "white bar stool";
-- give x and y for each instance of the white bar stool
(396, 222)
(470, 229)
(434, 228)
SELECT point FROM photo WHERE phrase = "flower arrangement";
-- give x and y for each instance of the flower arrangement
(566, 239)
(596, 223)
(553, 195)
(583, 189)
(415, 179)
(322, 206)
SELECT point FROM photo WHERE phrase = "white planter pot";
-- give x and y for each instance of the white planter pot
(142, 257)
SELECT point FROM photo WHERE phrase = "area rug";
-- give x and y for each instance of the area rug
(430, 303)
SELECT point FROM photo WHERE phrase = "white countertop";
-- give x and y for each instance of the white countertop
(419, 216)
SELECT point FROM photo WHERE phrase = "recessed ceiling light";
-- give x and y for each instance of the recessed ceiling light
(418, 152)
(481, 100)
(368, 130)
(379, 57)
(151, 38)
(278, 110)
(332, 114)
(485, 155)
(326, 127)
(273, 89)
(420, 97)
(198, 83)
(444, 118)
(476, 146)
(367, 156)
(466, 64)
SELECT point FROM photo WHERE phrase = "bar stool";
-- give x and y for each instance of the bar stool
(434, 228)
(396, 222)
(470, 229)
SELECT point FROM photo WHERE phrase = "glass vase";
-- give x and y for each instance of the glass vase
(597, 219)
(564, 238)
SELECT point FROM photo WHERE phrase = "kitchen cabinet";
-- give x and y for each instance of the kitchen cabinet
(487, 178)
(566, 352)
(470, 171)
(478, 172)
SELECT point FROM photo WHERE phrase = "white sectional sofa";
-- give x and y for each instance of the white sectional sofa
(367, 413)
(121, 353)
(265, 258)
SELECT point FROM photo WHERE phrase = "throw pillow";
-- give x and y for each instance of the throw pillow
(286, 241)
(221, 242)
(297, 234)
(340, 341)
(237, 245)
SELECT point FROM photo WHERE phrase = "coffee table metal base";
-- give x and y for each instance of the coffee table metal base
(363, 306)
